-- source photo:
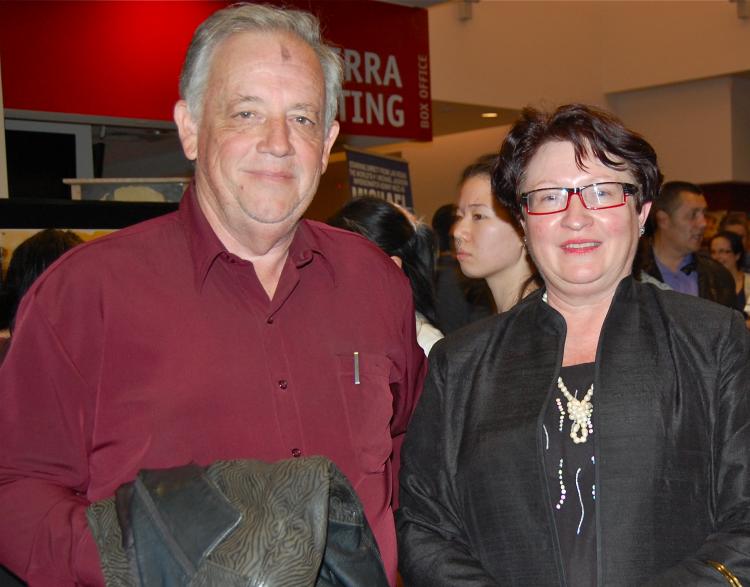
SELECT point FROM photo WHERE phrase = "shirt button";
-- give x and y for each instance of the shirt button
(283, 384)
(296, 453)
(269, 320)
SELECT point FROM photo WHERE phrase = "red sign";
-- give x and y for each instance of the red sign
(122, 59)
(385, 49)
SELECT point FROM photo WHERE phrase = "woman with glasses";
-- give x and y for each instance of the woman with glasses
(598, 432)
(727, 248)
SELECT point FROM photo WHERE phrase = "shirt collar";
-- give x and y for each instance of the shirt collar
(310, 241)
(687, 265)
(205, 246)
(203, 243)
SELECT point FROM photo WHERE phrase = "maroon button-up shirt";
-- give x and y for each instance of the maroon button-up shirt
(154, 347)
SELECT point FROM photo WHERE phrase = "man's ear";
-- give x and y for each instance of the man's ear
(661, 218)
(330, 138)
(187, 129)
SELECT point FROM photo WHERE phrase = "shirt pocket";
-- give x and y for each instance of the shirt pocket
(366, 395)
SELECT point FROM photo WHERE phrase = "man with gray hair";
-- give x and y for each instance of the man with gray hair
(230, 329)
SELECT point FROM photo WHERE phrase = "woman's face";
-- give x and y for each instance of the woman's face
(487, 242)
(721, 251)
(580, 251)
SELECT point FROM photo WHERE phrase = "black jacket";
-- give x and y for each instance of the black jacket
(671, 437)
(292, 523)
(459, 300)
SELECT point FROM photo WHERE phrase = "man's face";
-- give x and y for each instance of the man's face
(684, 228)
(260, 145)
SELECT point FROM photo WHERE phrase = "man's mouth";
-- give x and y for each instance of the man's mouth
(271, 175)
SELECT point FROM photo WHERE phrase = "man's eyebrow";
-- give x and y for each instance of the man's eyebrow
(306, 107)
(300, 106)
(241, 99)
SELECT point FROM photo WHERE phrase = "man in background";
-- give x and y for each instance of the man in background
(230, 329)
(678, 217)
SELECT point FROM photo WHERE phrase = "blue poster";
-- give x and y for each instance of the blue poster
(379, 176)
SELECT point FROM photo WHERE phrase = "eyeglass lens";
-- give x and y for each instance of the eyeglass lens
(596, 196)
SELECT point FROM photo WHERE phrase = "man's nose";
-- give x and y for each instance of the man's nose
(276, 139)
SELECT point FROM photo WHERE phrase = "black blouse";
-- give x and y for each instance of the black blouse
(570, 469)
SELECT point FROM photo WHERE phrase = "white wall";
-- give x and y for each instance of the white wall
(514, 53)
(741, 128)
(435, 167)
(668, 42)
(664, 67)
(689, 125)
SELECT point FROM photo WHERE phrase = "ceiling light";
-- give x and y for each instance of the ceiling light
(489, 115)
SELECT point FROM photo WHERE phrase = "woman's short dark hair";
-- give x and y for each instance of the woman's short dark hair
(28, 262)
(590, 130)
(735, 243)
(393, 231)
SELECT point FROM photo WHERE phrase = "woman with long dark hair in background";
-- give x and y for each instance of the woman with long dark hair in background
(410, 244)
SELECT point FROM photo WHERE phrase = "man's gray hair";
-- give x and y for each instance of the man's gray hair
(240, 18)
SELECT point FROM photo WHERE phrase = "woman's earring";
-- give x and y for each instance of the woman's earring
(643, 230)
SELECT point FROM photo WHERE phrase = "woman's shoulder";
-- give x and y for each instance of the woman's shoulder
(652, 293)
(477, 336)
(472, 334)
(650, 279)
(685, 312)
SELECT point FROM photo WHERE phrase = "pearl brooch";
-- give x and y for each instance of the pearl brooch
(579, 411)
